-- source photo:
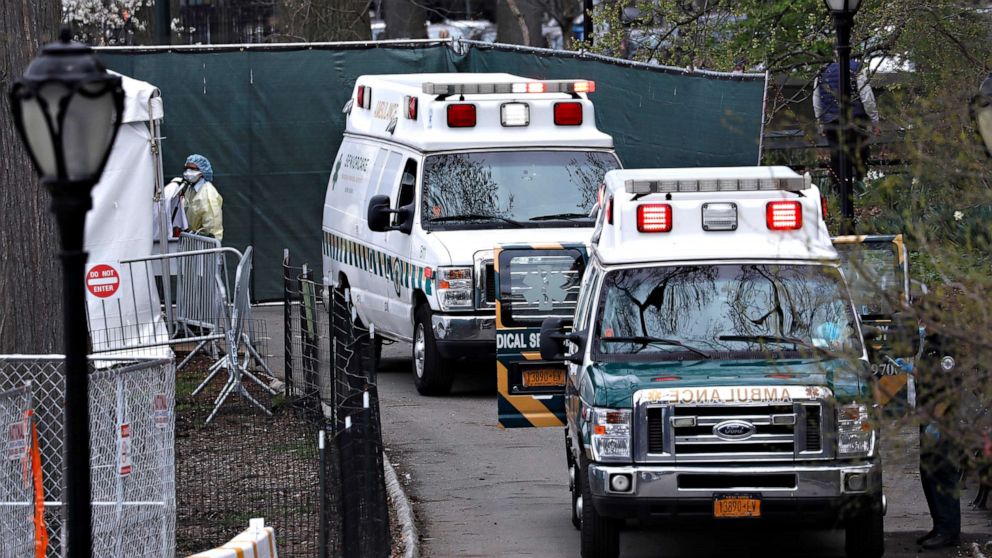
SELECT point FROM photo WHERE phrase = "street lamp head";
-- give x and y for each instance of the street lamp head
(843, 6)
(67, 109)
(981, 113)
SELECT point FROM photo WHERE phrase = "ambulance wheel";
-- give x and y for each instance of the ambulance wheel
(600, 537)
(865, 535)
(432, 374)
(377, 342)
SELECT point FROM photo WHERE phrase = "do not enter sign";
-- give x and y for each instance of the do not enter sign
(102, 281)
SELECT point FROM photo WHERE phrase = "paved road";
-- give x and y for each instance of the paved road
(482, 491)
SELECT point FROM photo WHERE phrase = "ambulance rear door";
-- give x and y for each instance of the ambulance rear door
(533, 282)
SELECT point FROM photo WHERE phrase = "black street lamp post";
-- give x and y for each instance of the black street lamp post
(67, 109)
(981, 112)
(843, 13)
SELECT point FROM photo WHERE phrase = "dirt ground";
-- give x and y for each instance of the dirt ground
(243, 464)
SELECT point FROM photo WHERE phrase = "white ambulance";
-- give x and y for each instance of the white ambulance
(711, 366)
(435, 170)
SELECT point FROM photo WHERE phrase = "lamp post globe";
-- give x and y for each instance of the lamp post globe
(981, 113)
(843, 6)
(67, 109)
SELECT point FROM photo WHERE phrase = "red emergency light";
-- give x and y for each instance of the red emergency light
(461, 116)
(411, 107)
(364, 97)
(568, 114)
(784, 215)
(823, 205)
(654, 217)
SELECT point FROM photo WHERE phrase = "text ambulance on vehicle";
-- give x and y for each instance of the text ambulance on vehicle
(433, 171)
(714, 369)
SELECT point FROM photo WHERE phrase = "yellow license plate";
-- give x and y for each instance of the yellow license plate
(544, 377)
(736, 506)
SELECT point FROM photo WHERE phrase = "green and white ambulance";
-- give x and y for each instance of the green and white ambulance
(704, 356)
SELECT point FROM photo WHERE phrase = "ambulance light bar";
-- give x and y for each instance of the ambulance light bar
(548, 86)
(793, 184)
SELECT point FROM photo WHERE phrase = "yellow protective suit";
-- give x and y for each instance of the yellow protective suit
(204, 211)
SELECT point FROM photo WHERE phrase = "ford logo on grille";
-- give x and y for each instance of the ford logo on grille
(734, 430)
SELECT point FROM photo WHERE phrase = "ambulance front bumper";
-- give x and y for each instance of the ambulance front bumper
(460, 335)
(817, 494)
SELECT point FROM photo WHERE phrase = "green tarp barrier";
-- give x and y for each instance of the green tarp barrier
(269, 119)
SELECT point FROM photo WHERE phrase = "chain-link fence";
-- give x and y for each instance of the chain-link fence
(16, 481)
(132, 450)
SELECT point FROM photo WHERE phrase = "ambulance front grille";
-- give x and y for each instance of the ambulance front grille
(689, 433)
(490, 291)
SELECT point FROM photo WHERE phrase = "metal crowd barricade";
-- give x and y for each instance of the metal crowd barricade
(233, 317)
(132, 433)
(196, 295)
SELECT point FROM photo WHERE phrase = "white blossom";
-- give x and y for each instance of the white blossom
(958, 215)
(103, 22)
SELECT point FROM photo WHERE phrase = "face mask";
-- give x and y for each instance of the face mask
(192, 176)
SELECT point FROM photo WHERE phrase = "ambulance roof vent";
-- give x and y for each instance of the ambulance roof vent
(497, 88)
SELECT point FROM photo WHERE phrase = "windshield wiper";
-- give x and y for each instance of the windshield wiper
(475, 217)
(560, 216)
(773, 339)
(645, 340)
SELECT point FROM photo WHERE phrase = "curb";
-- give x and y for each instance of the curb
(404, 511)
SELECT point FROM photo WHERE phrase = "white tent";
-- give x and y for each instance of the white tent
(122, 300)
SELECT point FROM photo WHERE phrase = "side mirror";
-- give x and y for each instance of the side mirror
(553, 337)
(903, 337)
(379, 215)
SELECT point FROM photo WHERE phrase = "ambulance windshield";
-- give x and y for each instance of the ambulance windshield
(502, 189)
(725, 312)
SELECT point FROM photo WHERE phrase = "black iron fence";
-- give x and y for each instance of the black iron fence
(330, 372)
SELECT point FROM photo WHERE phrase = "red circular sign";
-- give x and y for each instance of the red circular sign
(102, 281)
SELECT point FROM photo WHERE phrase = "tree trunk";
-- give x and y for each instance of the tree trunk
(324, 20)
(405, 19)
(518, 22)
(30, 277)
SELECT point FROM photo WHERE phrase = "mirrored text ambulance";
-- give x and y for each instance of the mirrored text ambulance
(433, 171)
(712, 360)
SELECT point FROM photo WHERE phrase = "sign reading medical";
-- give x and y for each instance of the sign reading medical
(102, 281)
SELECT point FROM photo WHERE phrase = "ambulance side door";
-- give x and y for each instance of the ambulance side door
(876, 268)
(533, 282)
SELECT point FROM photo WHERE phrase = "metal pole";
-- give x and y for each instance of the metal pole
(287, 316)
(587, 21)
(843, 22)
(70, 212)
(163, 23)
(322, 477)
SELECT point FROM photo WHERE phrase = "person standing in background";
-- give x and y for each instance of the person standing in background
(826, 108)
(203, 202)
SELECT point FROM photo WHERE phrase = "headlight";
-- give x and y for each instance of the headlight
(610, 434)
(855, 434)
(454, 288)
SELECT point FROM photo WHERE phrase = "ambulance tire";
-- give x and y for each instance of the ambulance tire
(377, 349)
(600, 536)
(432, 374)
(576, 494)
(865, 535)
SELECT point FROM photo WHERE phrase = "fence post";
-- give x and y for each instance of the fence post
(287, 316)
(322, 529)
